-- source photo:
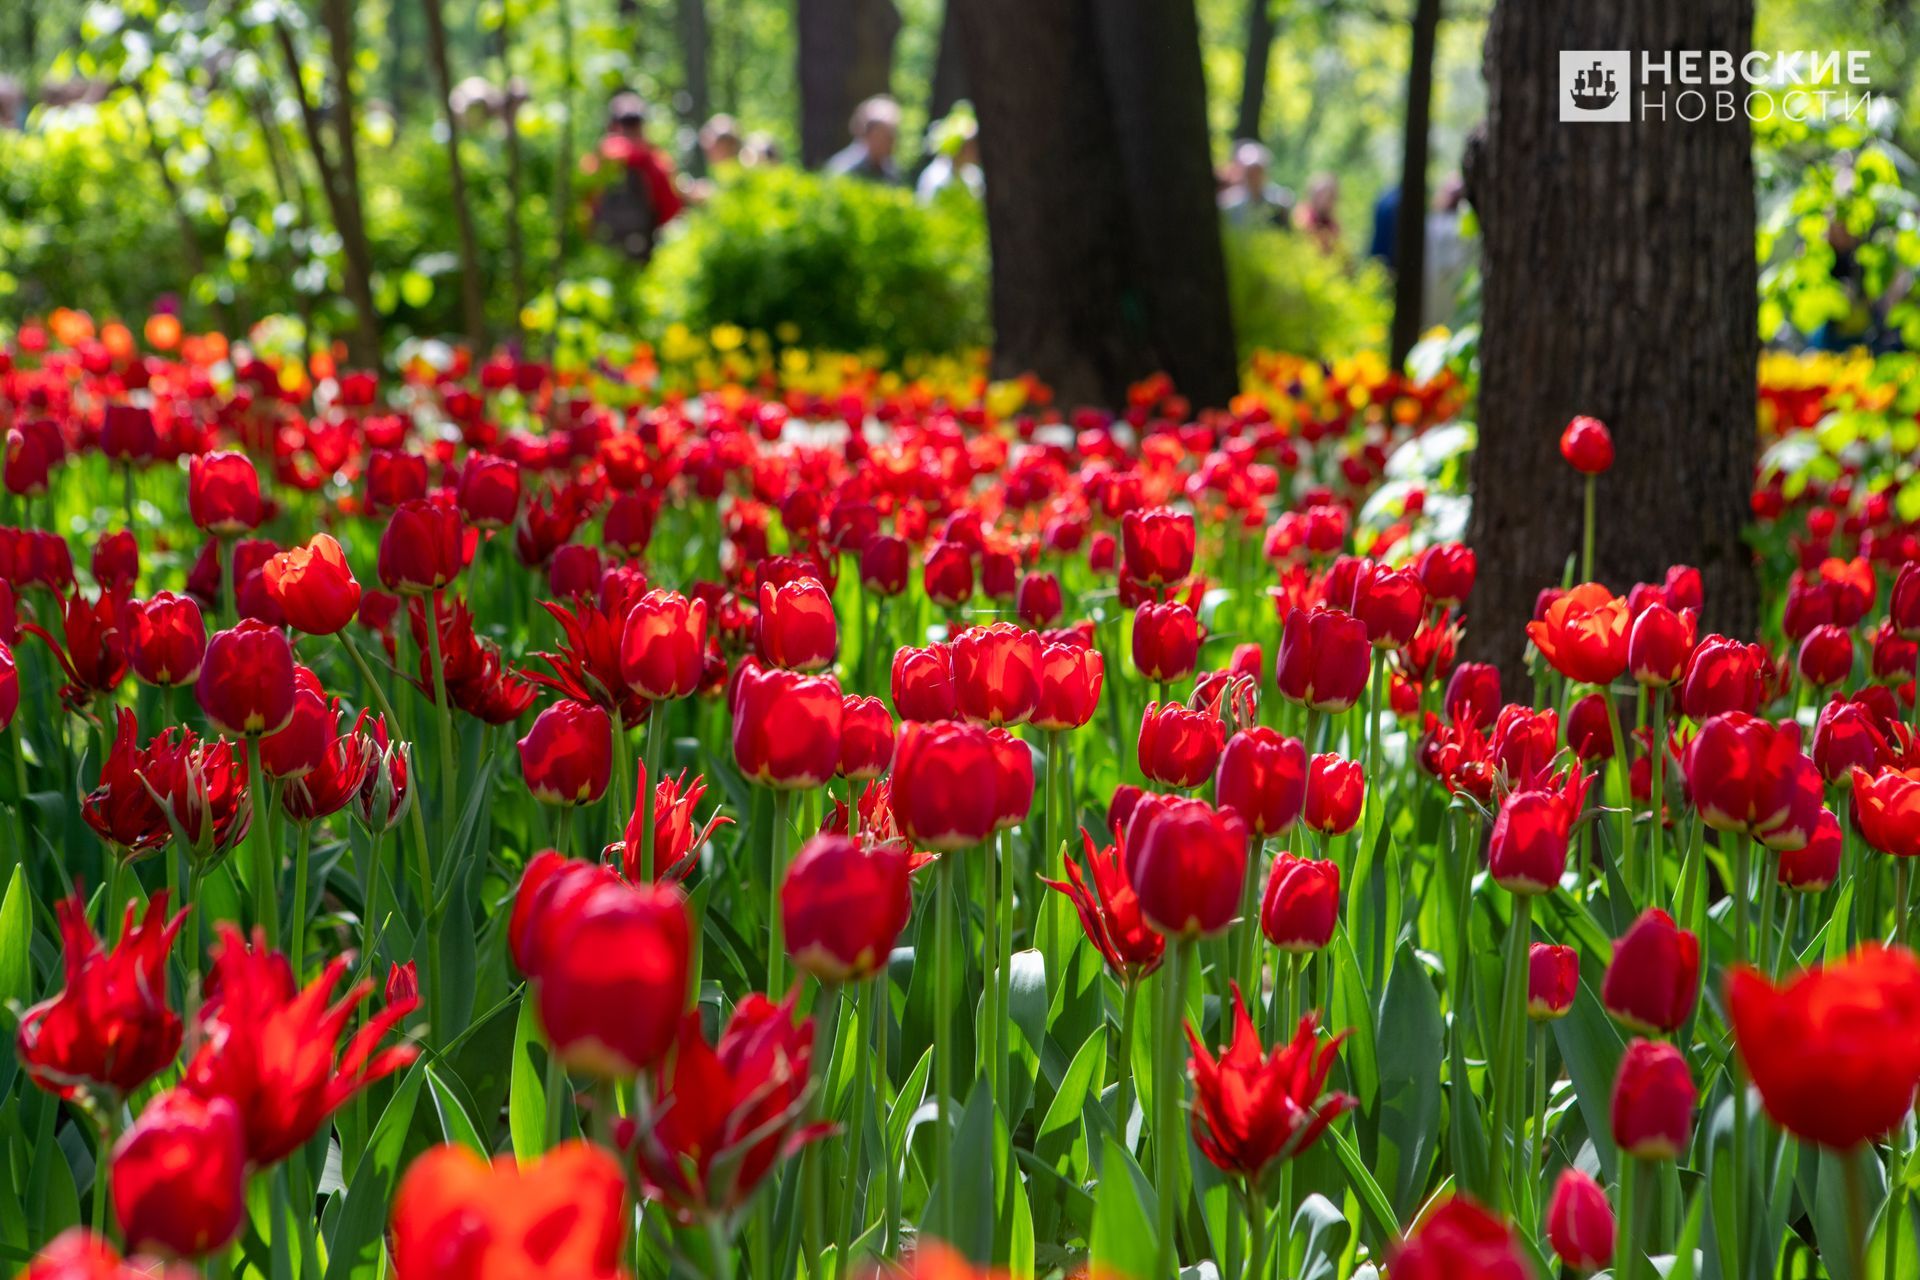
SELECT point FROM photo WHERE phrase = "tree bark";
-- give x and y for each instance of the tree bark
(1100, 199)
(1410, 229)
(845, 56)
(1618, 282)
(1253, 80)
(472, 309)
(690, 18)
(949, 67)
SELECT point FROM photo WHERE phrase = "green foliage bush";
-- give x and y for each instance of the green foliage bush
(831, 263)
(1288, 296)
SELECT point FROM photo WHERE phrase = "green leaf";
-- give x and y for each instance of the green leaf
(1372, 1198)
(16, 941)
(455, 1125)
(970, 1167)
(354, 1251)
(1054, 1141)
(1122, 1243)
(527, 1095)
(1317, 1239)
(1408, 1112)
(1590, 1045)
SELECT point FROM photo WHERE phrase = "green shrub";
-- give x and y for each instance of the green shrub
(1288, 296)
(829, 263)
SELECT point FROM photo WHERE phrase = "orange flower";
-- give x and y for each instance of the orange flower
(457, 1215)
(1584, 634)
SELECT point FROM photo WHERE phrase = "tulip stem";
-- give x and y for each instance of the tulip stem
(776, 932)
(1508, 1067)
(1123, 1059)
(266, 909)
(846, 1195)
(443, 715)
(1539, 1150)
(1625, 1246)
(943, 1045)
(1167, 1097)
(1047, 917)
(229, 610)
(1256, 1230)
(1629, 864)
(109, 913)
(297, 929)
(649, 787)
(1857, 1214)
(1657, 753)
(996, 949)
(1742, 887)
(882, 1083)
(1004, 956)
(1586, 535)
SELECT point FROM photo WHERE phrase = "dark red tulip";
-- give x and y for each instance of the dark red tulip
(116, 562)
(246, 681)
(1158, 545)
(1188, 863)
(996, 673)
(109, 1030)
(567, 756)
(797, 626)
(313, 586)
(1653, 1097)
(1447, 571)
(1324, 659)
(1826, 656)
(574, 570)
(1473, 694)
(384, 793)
(223, 493)
(1336, 792)
(335, 780)
(1301, 904)
(1748, 776)
(1166, 642)
(1580, 1223)
(178, 1177)
(1589, 731)
(393, 477)
(1390, 602)
(1254, 1108)
(166, 639)
(944, 778)
(842, 906)
(1070, 680)
(628, 525)
(883, 565)
(423, 548)
(28, 466)
(1850, 734)
(1723, 675)
(127, 433)
(9, 685)
(1816, 864)
(1178, 747)
(948, 574)
(1659, 644)
(922, 683)
(1039, 599)
(1553, 980)
(663, 645)
(866, 738)
(301, 747)
(786, 728)
(1587, 446)
(1109, 909)
(1263, 778)
(488, 495)
(1654, 977)
(1903, 605)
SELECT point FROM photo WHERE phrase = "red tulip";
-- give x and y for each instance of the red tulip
(1459, 1240)
(1903, 605)
(167, 640)
(996, 674)
(1166, 642)
(567, 756)
(127, 433)
(1850, 734)
(246, 681)
(178, 1176)
(1553, 980)
(78, 1254)
(1253, 1109)
(1158, 545)
(786, 728)
(945, 775)
(1263, 778)
(223, 493)
(628, 525)
(1323, 659)
(335, 780)
(797, 626)
(1178, 747)
(384, 793)
(663, 645)
(269, 1046)
(394, 476)
(1527, 851)
(1109, 911)
(1584, 634)
(1835, 1051)
(1654, 977)
(93, 656)
(1748, 776)
(1587, 446)
(723, 1116)
(28, 466)
(1473, 694)
(1188, 863)
(1039, 600)
(1815, 865)
(923, 683)
(1301, 904)
(423, 548)
(842, 906)
(1391, 602)
(866, 738)
(1589, 731)
(1886, 810)
(1723, 675)
(1336, 792)
(1070, 680)
(9, 686)
(488, 494)
(109, 1030)
(559, 1215)
(1653, 1097)
(1659, 644)
(1826, 656)
(1447, 571)
(883, 565)
(116, 562)
(1580, 1224)
(948, 574)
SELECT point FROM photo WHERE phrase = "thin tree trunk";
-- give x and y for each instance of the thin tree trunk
(949, 66)
(1618, 282)
(690, 19)
(1259, 56)
(157, 152)
(510, 121)
(1410, 231)
(564, 162)
(845, 50)
(471, 307)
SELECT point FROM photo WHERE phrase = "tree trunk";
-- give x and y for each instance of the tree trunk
(1100, 199)
(1410, 229)
(1253, 81)
(846, 56)
(1618, 282)
(949, 67)
(341, 179)
(510, 122)
(471, 308)
(690, 17)
(563, 212)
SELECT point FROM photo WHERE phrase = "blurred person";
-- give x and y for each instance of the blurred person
(637, 194)
(876, 130)
(1386, 226)
(1449, 254)
(720, 142)
(1316, 218)
(761, 149)
(955, 142)
(1251, 200)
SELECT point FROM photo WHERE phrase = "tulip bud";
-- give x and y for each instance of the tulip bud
(178, 1176)
(1263, 778)
(246, 681)
(922, 683)
(1473, 694)
(1178, 747)
(948, 574)
(1391, 603)
(1587, 446)
(127, 433)
(1903, 605)
(786, 728)
(1580, 1224)
(1301, 904)
(167, 639)
(1323, 660)
(1553, 980)
(1654, 977)
(567, 756)
(866, 738)
(1039, 599)
(488, 495)
(663, 645)
(1659, 643)
(798, 630)
(1458, 1240)
(1826, 656)
(1166, 642)
(1653, 1097)
(1589, 731)
(1070, 680)
(1336, 792)
(423, 548)
(1187, 861)
(223, 493)
(1158, 545)
(843, 905)
(945, 776)
(1447, 571)
(628, 525)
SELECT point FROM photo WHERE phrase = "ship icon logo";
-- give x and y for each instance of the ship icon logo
(1594, 89)
(1596, 85)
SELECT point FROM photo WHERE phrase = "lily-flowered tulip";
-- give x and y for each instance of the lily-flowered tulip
(1109, 911)
(1254, 1109)
(842, 906)
(314, 586)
